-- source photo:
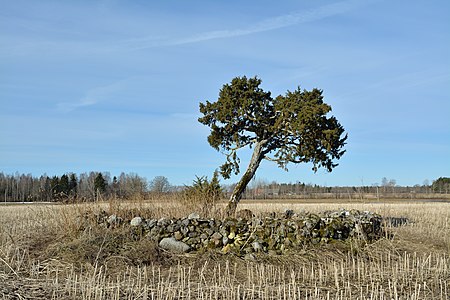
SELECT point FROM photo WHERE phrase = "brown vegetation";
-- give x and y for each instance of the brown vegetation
(47, 252)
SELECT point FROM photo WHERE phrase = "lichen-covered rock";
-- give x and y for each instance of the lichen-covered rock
(194, 216)
(136, 221)
(111, 219)
(178, 235)
(114, 220)
(216, 236)
(257, 247)
(151, 223)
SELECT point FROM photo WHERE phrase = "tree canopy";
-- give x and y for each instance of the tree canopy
(100, 185)
(442, 184)
(160, 184)
(290, 128)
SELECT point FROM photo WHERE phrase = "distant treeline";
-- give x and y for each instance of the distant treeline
(92, 186)
(260, 189)
(70, 187)
(387, 189)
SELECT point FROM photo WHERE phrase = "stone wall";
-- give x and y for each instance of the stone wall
(273, 234)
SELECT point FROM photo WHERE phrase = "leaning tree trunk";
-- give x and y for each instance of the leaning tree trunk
(257, 157)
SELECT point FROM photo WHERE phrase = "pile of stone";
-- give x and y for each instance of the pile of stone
(273, 234)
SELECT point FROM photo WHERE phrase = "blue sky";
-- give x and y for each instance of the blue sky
(115, 85)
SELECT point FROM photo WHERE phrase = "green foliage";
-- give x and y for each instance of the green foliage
(203, 194)
(60, 187)
(73, 183)
(64, 184)
(441, 185)
(293, 128)
(100, 183)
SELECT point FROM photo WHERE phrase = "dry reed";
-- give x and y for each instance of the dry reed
(44, 254)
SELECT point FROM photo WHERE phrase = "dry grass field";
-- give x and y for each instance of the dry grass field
(45, 254)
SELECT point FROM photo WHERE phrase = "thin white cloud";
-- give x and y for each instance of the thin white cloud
(13, 45)
(70, 106)
(269, 24)
(92, 97)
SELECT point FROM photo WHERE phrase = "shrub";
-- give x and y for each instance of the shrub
(203, 195)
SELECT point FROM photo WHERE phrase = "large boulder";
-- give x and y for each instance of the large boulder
(171, 244)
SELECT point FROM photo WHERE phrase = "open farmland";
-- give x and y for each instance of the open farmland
(45, 255)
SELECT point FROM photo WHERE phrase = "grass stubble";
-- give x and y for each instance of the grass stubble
(47, 253)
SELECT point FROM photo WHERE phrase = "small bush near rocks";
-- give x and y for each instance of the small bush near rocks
(203, 194)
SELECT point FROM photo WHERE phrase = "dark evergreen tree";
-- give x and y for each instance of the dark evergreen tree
(64, 186)
(293, 128)
(73, 184)
(100, 184)
(54, 187)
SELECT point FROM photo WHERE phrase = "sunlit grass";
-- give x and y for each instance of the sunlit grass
(43, 254)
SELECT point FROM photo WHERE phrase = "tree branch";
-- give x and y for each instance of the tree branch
(271, 159)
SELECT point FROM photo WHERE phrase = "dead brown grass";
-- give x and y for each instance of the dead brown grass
(47, 252)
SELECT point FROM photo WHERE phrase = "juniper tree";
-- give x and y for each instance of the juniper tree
(291, 128)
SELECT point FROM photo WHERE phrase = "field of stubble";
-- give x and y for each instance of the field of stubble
(45, 255)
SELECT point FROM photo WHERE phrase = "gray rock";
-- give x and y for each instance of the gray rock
(151, 223)
(170, 228)
(216, 236)
(155, 231)
(136, 221)
(225, 240)
(257, 246)
(163, 222)
(184, 230)
(112, 219)
(210, 232)
(171, 244)
(193, 216)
